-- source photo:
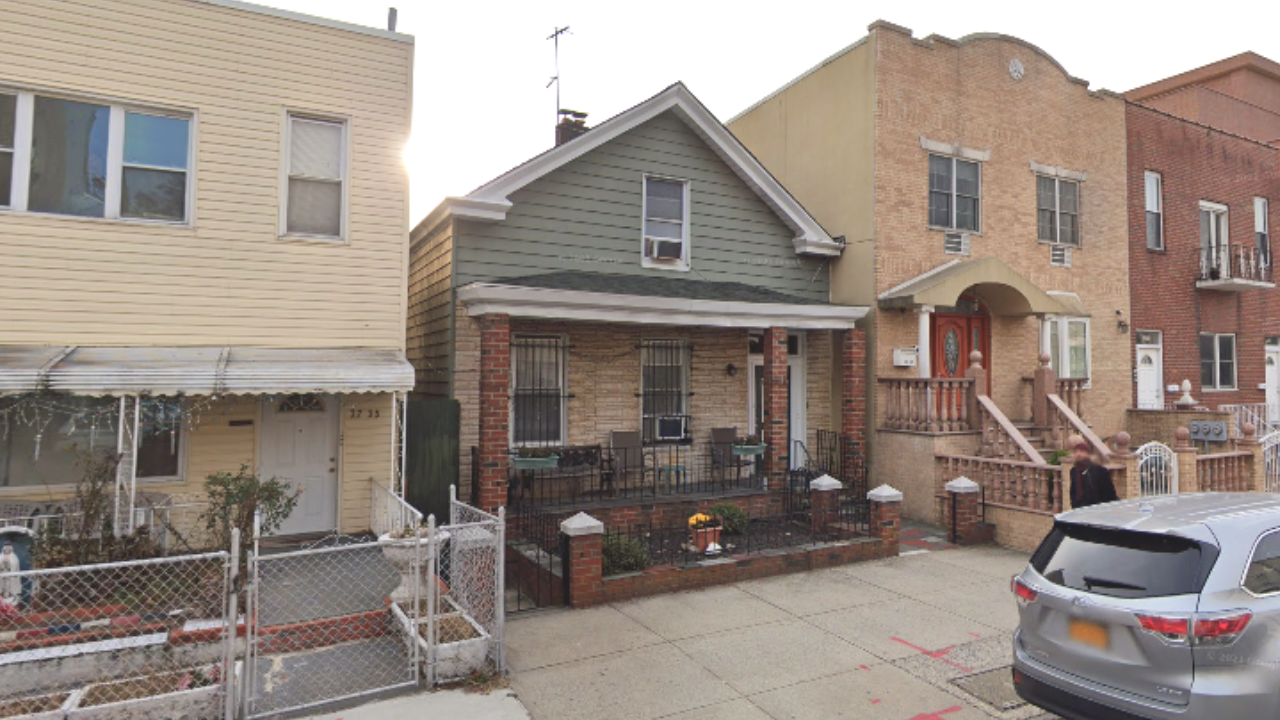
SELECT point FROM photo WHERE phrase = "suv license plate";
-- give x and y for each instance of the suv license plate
(1089, 633)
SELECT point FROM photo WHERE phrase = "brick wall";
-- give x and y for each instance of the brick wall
(962, 92)
(1197, 163)
(905, 461)
(1159, 426)
(1019, 529)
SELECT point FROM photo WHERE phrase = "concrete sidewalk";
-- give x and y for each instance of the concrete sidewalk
(439, 705)
(877, 641)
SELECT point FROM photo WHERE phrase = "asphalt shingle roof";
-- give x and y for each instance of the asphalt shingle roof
(657, 286)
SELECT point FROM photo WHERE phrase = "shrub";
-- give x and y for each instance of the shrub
(623, 554)
(1057, 456)
(234, 499)
(734, 518)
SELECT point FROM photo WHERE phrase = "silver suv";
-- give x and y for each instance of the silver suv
(1163, 607)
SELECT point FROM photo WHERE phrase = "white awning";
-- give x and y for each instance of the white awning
(100, 371)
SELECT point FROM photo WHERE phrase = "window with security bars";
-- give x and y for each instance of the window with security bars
(664, 390)
(1058, 210)
(538, 384)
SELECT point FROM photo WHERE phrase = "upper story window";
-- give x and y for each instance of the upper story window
(666, 223)
(955, 193)
(316, 197)
(1261, 229)
(1058, 210)
(1154, 189)
(82, 158)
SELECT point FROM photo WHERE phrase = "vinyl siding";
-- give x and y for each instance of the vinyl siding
(586, 215)
(430, 332)
(366, 458)
(228, 278)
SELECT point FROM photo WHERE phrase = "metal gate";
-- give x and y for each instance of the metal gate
(1271, 461)
(535, 570)
(1157, 469)
(322, 630)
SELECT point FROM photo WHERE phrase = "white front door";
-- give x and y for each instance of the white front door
(1149, 378)
(1273, 388)
(299, 447)
(797, 394)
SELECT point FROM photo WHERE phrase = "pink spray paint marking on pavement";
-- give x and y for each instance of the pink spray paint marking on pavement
(938, 715)
(935, 654)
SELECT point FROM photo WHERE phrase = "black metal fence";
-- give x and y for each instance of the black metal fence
(535, 560)
(578, 475)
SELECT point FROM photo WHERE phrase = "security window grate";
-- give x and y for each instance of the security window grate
(664, 390)
(539, 385)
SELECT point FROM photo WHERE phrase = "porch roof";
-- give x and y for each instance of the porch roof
(605, 297)
(1004, 290)
(99, 371)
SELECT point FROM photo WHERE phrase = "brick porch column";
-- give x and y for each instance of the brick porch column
(1129, 486)
(777, 408)
(824, 499)
(853, 384)
(1248, 442)
(585, 535)
(886, 515)
(1188, 477)
(495, 403)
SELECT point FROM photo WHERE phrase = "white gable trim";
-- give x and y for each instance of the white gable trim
(491, 200)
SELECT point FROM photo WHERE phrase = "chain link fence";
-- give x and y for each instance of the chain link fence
(118, 640)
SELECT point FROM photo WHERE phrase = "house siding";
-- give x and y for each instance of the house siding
(586, 215)
(430, 332)
(227, 278)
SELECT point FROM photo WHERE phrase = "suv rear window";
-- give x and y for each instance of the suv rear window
(1123, 563)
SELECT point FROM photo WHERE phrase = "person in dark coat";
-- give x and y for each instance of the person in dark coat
(1090, 482)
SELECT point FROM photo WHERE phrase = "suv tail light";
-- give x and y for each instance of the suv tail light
(1213, 629)
(1023, 591)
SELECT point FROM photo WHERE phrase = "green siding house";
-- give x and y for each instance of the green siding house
(640, 298)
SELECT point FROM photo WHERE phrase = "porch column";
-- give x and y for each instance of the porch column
(777, 411)
(923, 356)
(495, 404)
(853, 381)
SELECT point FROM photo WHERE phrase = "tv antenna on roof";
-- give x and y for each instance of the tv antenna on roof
(555, 79)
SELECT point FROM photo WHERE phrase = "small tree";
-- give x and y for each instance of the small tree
(234, 500)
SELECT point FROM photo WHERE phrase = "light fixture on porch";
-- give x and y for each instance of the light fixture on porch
(730, 369)
(1121, 324)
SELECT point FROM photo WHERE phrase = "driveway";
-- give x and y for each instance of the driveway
(876, 641)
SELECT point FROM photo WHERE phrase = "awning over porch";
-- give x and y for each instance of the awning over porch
(100, 371)
(1004, 290)
(653, 300)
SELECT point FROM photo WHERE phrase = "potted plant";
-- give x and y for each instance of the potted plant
(749, 445)
(705, 532)
(402, 548)
(529, 458)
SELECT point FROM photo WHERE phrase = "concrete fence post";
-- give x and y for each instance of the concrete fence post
(584, 563)
(824, 503)
(962, 510)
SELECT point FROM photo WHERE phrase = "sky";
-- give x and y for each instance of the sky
(482, 105)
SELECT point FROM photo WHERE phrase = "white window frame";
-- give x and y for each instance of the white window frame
(1216, 209)
(686, 261)
(1057, 211)
(1064, 349)
(184, 438)
(1148, 178)
(952, 214)
(24, 134)
(1262, 224)
(343, 237)
(563, 351)
(1217, 362)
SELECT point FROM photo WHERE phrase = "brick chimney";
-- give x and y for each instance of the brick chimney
(572, 124)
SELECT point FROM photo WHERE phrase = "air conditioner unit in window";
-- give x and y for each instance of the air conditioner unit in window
(665, 250)
(670, 428)
(1060, 256)
(955, 243)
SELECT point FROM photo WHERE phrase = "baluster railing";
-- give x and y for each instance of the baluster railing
(1223, 472)
(1007, 483)
(926, 404)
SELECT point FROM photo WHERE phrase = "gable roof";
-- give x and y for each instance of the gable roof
(490, 202)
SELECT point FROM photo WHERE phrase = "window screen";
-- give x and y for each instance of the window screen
(316, 175)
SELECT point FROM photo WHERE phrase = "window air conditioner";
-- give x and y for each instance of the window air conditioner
(956, 243)
(1060, 256)
(666, 250)
(670, 428)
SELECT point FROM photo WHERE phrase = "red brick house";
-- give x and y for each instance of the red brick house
(1203, 185)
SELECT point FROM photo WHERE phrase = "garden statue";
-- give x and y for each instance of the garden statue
(10, 586)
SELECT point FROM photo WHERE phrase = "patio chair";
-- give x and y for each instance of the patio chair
(627, 462)
(723, 459)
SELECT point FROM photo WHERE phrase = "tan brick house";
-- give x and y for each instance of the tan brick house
(203, 245)
(627, 306)
(980, 189)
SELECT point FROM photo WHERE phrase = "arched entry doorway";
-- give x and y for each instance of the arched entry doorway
(956, 332)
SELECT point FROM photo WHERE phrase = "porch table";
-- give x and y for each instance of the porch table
(666, 473)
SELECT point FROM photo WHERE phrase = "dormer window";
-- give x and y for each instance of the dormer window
(666, 223)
